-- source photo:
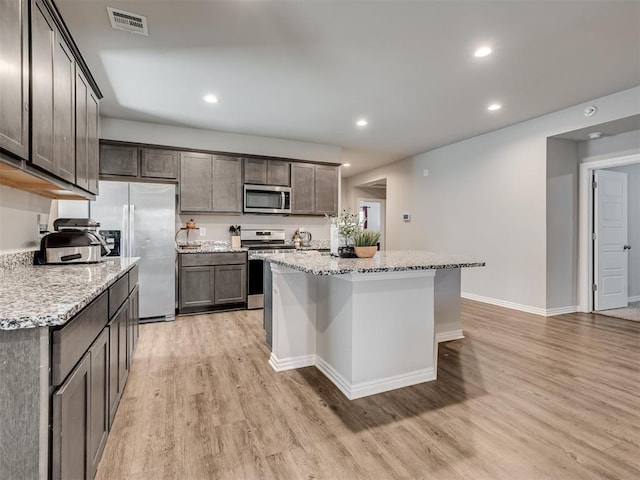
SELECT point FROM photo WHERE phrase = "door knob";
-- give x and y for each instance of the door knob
(627, 247)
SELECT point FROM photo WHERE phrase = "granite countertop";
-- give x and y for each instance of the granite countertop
(210, 249)
(49, 295)
(386, 261)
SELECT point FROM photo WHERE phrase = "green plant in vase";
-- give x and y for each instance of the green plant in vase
(366, 238)
(366, 243)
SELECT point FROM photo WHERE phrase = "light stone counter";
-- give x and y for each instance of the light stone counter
(49, 295)
(386, 261)
(210, 249)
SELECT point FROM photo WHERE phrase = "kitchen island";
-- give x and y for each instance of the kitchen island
(67, 337)
(369, 325)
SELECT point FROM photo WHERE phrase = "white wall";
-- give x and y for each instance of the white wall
(217, 226)
(562, 223)
(125, 130)
(487, 196)
(19, 219)
(609, 147)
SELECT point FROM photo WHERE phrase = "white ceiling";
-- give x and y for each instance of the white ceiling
(307, 69)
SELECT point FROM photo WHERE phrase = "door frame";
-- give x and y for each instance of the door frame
(585, 225)
(383, 217)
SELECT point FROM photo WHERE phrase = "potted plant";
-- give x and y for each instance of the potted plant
(347, 225)
(366, 243)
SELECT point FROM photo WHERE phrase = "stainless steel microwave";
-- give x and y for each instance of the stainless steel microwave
(267, 199)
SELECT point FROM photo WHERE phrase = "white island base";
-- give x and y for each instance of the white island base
(367, 332)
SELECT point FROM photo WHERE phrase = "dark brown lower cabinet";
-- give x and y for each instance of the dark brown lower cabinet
(85, 402)
(71, 404)
(230, 284)
(209, 281)
(80, 415)
(196, 286)
(98, 400)
(118, 366)
(133, 328)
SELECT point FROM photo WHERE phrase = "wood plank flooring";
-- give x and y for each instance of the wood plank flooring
(521, 397)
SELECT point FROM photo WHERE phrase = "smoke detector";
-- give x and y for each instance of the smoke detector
(127, 21)
(590, 111)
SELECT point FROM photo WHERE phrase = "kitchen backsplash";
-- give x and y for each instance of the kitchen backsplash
(20, 214)
(217, 227)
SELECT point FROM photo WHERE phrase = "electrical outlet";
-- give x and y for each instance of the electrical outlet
(406, 217)
(425, 173)
(203, 232)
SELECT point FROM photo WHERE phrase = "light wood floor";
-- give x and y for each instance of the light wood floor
(522, 397)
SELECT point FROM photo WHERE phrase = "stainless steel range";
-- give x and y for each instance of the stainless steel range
(262, 241)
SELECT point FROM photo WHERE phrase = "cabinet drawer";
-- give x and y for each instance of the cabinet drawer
(197, 259)
(118, 293)
(71, 342)
(133, 278)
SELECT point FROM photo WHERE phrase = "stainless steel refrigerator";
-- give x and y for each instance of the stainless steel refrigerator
(145, 214)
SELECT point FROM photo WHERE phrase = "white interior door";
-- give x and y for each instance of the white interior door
(610, 248)
(375, 216)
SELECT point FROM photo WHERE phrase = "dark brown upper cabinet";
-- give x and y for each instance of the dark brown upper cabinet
(48, 103)
(86, 135)
(210, 183)
(53, 92)
(303, 186)
(314, 189)
(122, 159)
(326, 190)
(14, 81)
(258, 171)
(119, 160)
(156, 163)
(196, 182)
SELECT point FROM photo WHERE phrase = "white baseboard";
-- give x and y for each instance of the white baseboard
(545, 312)
(365, 389)
(282, 364)
(561, 310)
(447, 336)
(634, 299)
(333, 375)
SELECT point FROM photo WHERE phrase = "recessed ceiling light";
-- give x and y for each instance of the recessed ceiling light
(210, 99)
(362, 122)
(482, 52)
(346, 164)
(494, 106)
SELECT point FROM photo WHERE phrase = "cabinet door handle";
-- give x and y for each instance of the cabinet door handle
(627, 247)
(26, 107)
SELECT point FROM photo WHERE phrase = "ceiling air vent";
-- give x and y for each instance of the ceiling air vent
(129, 22)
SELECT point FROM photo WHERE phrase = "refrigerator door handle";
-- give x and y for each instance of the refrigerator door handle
(132, 229)
(125, 231)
